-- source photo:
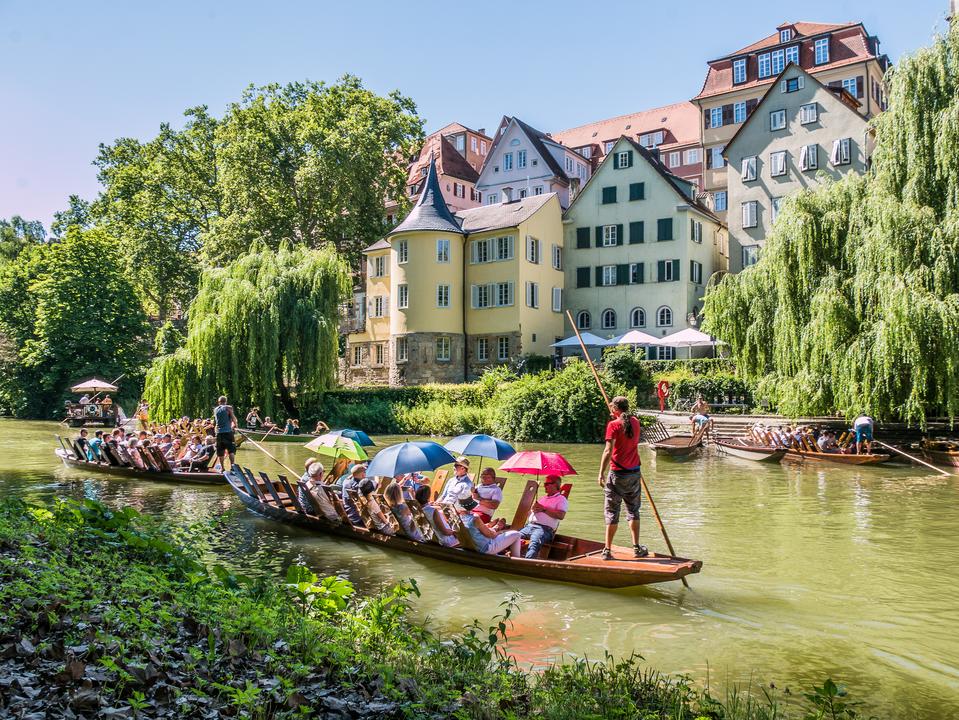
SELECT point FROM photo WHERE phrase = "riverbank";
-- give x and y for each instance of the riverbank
(110, 614)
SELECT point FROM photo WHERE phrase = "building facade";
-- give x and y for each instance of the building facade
(525, 162)
(639, 248)
(673, 131)
(839, 55)
(450, 295)
(801, 132)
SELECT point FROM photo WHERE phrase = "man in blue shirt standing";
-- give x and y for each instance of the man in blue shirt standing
(226, 423)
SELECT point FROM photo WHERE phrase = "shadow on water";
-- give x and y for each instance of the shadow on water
(809, 572)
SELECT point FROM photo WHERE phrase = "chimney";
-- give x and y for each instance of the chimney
(482, 131)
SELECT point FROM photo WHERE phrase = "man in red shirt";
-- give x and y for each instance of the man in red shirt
(624, 481)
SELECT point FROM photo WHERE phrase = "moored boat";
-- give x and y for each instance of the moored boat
(677, 446)
(941, 452)
(74, 460)
(569, 559)
(756, 453)
(799, 456)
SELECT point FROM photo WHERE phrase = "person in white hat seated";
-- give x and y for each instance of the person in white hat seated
(460, 486)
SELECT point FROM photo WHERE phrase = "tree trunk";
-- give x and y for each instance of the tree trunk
(285, 398)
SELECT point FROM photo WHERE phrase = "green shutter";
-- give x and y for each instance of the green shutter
(619, 234)
(582, 277)
(660, 270)
(641, 273)
(599, 236)
(636, 232)
(622, 274)
(637, 191)
(582, 237)
(664, 229)
(675, 270)
(609, 195)
(599, 276)
(615, 161)
(630, 156)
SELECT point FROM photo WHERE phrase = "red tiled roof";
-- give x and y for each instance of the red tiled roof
(680, 120)
(448, 160)
(803, 29)
(848, 47)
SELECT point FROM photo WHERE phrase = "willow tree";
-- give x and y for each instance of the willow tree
(261, 330)
(854, 304)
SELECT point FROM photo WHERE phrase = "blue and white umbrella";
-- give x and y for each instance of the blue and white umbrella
(408, 457)
(482, 445)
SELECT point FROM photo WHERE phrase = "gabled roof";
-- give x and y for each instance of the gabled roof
(681, 120)
(381, 244)
(448, 161)
(842, 95)
(501, 215)
(537, 139)
(430, 211)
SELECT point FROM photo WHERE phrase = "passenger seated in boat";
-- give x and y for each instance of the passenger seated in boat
(352, 484)
(253, 418)
(203, 457)
(441, 529)
(174, 451)
(544, 519)
(134, 454)
(401, 511)
(96, 446)
(288, 430)
(84, 444)
(268, 423)
(166, 443)
(827, 442)
(459, 486)
(411, 483)
(312, 497)
(488, 494)
(487, 540)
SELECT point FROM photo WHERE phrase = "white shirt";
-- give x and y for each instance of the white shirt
(490, 495)
(862, 421)
(557, 502)
(456, 488)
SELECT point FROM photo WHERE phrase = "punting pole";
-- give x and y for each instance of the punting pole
(259, 447)
(914, 459)
(649, 497)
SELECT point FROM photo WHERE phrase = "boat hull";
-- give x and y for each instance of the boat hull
(677, 446)
(948, 458)
(200, 478)
(799, 456)
(587, 568)
(756, 453)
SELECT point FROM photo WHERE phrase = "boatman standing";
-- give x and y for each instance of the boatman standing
(624, 481)
(863, 427)
(226, 423)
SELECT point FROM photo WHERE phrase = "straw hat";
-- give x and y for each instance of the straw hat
(462, 460)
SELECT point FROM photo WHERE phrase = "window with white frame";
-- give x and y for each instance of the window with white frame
(504, 247)
(739, 112)
(357, 355)
(459, 190)
(402, 349)
(664, 316)
(716, 117)
(636, 273)
(785, 35)
(791, 85)
(507, 161)
(609, 319)
(504, 294)
(808, 113)
(666, 270)
(841, 152)
(610, 235)
(557, 299)
(749, 169)
(764, 66)
(696, 272)
(442, 349)
(442, 250)
(403, 296)
(750, 213)
(586, 152)
(851, 85)
(695, 231)
(502, 349)
(473, 144)
(583, 320)
(378, 354)
(442, 296)
(622, 160)
(379, 306)
(750, 255)
(480, 251)
(491, 199)
(481, 296)
(482, 349)
(538, 190)
(778, 58)
(557, 257)
(665, 353)
(774, 205)
(674, 159)
(637, 318)
(482, 147)
(651, 140)
(809, 157)
(777, 120)
(523, 193)
(520, 158)
(533, 249)
(569, 165)
(739, 71)
(822, 51)
(609, 275)
(532, 294)
(717, 156)
(402, 252)
(379, 266)
(719, 201)
(792, 54)
(608, 146)
(777, 163)
(692, 156)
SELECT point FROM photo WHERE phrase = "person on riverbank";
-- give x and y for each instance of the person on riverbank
(623, 484)
(488, 494)
(545, 517)
(487, 540)
(863, 427)
(460, 486)
(226, 423)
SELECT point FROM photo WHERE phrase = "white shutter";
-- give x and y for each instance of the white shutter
(804, 157)
(539, 250)
(510, 293)
(784, 86)
(474, 253)
(834, 157)
(474, 295)
(812, 156)
(557, 299)
(801, 82)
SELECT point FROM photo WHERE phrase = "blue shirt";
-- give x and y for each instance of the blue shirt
(469, 522)
(221, 413)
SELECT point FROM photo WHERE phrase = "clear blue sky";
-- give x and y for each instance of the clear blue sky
(75, 74)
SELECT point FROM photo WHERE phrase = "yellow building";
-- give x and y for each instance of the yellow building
(450, 295)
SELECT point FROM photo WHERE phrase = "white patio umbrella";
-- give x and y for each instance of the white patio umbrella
(589, 340)
(634, 337)
(689, 338)
(93, 385)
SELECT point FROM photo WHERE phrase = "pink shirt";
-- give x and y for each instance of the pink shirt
(557, 502)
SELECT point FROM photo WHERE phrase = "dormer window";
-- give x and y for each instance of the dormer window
(739, 71)
(785, 35)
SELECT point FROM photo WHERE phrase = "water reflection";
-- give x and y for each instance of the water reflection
(809, 571)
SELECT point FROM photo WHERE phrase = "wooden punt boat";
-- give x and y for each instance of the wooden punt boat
(570, 559)
(72, 456)
(677, 446)
(941, 452)
(799, 456)
(260, 436)
(756, 453)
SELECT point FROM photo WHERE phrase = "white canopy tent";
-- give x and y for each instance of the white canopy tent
(689, 338)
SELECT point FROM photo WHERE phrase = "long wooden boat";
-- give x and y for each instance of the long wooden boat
(799, 456)
(261, 436)
(756, 453)
(204, 478)
(941, 452)
(570, 559)
(677, 446)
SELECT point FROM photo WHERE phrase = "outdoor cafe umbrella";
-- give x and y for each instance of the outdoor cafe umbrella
(358, 435)
(94, 385)
(634, 337)
(337, 446)
(689, 338)
(589, 340)
(538, 462)
(409, 457)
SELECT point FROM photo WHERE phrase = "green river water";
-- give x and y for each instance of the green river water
(809, 572)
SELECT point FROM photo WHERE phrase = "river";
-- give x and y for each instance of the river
(808, 572)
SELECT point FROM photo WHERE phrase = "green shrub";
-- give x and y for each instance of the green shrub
(438, 417)
(629, 368)
(696, 366)
(714, 389)
(534, 363)
(493, 379)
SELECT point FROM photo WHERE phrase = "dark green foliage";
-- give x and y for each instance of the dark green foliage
(16, 234)
(168, 339)
(535, 363)
(629, 368)
(696, 366)
(713, 388)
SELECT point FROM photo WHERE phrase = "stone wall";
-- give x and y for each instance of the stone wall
(421, 365)
(477, 367)
(366, 372)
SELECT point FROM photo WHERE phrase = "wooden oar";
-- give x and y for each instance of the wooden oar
(649, 497)
(259, 447)
(914, 459)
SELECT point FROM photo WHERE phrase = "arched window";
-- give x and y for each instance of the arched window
(609, 319)
(664, 316)
(637, 318)
(583, 321)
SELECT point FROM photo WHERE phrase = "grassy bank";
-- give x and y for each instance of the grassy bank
(108, 614)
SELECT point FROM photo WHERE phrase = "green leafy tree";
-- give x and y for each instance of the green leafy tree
(16, 234)
(311, 163)
(78, 214)
(855, 302)
(263, 328)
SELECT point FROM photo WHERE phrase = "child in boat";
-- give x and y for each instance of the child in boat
(488, 494)
(444, 534)
(487, 540)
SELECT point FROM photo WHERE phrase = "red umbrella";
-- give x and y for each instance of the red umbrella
(537, 462)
